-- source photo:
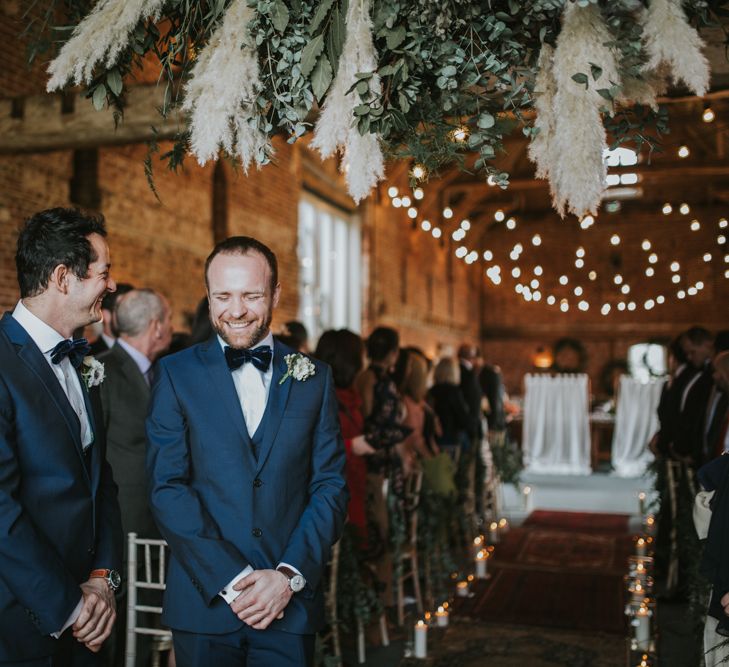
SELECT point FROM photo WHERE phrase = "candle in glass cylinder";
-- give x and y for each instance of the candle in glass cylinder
(650, 524)
(480, 564)
(478, 543)
(503, 526)
(441, 617)
(641, 503)
(527, 496)
(637, 590)
(421, 640)
(462, 589)
(640, 547)
(494, 533)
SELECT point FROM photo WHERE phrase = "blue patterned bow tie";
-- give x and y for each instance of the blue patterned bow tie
(75, 350)
(260, 357)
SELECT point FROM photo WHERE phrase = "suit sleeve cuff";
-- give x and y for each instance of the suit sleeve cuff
(70, 620)
(229, 593)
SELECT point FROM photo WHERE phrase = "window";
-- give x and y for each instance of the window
(330, 268)
(646, 361)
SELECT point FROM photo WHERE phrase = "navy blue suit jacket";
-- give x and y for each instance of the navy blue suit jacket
(58, 519)
(220, 507)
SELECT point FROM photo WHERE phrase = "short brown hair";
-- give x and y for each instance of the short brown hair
(242, 245)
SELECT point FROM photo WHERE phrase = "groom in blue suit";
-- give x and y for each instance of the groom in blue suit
(246, 474)
(60, 526)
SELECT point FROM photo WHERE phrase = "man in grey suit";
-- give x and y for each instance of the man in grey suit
(144, 325)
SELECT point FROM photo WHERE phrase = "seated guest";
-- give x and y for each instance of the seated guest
(450, 407)
(143, 319)
(344, 352)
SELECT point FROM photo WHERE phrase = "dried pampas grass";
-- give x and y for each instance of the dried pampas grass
(545, 88)
(100, 37)
(670, 39)
(578, 174)
(221, 93)
(363, 162)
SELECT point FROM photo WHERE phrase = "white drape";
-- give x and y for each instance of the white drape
(556, 424)
(636, 421)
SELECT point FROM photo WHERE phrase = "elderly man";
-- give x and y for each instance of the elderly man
(246, 468)
(60, 532)
(144, 326)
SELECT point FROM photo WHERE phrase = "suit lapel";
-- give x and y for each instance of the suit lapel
(278, 396)
(34, 359)
(222, 381)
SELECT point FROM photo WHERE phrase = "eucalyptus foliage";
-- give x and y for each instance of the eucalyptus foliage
(443, 64)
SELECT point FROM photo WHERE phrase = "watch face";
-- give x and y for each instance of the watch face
(297, 583)
(114, 579)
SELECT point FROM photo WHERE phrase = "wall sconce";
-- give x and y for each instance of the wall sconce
(542, 358)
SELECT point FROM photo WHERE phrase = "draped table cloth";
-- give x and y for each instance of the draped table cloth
(636, 420)
(556, 436)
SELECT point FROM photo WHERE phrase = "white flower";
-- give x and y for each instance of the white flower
(92, 372)
(298, 367)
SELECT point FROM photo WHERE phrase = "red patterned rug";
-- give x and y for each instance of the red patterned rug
(560, 569)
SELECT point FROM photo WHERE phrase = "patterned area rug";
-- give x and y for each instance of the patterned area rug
(560, 570)
(473, 644)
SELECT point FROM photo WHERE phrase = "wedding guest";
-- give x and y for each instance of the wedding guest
(106, 338)
(343, 350)
(383, 413)
(295, 335)
(144, 328)
(473, 468)
(420, 417)
(61, 544)
(450, 407)
(201, 328)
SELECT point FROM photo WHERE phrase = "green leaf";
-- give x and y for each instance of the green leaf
(114, 81)
(448, 70)
(319, 15)
(486, 120)
(99, 97)
(605, 92)
(321, 77)
(580, 78)
(396, 37)
(279, 16)
(335, 37)
(596, 71)
(310, 53)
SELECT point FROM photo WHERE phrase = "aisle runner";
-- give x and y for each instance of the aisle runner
(561, 569)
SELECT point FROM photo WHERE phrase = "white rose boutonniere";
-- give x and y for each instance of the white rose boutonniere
(92, 372)
(298, 367)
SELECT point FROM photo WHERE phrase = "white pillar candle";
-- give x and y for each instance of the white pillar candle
(494, 533)
(441, 617)
(421, 640)
(650, 524)
(478, 543)
(640, 547)
(462, 589)
(642, 624)
(527, 496)
(641, 503)
(504, 526)
(638, 591)
(480, 564)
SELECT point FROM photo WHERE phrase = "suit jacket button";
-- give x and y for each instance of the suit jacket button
(257, 482)
(257, 532)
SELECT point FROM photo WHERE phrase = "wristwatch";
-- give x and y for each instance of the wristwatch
(112, 577)
(296, 581)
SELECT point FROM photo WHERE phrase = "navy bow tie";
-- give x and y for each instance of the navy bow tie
(260, 357)
(75, 350)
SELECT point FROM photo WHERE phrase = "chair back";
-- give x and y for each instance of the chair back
(146, 560)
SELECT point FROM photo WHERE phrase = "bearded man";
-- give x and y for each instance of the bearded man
(246, 472)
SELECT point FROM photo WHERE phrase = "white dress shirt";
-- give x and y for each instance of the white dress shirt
(46, 338)
(253, 388)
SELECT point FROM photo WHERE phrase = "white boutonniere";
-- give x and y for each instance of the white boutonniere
(92, 372)
(298, 367)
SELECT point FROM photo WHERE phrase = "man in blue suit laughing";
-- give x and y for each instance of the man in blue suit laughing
(60, 527)
(246, 474)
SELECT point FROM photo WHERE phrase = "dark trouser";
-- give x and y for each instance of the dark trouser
(69, 653)
(244, 648)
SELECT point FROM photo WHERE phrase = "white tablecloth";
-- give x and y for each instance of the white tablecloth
(635, 423)
(556, 435)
